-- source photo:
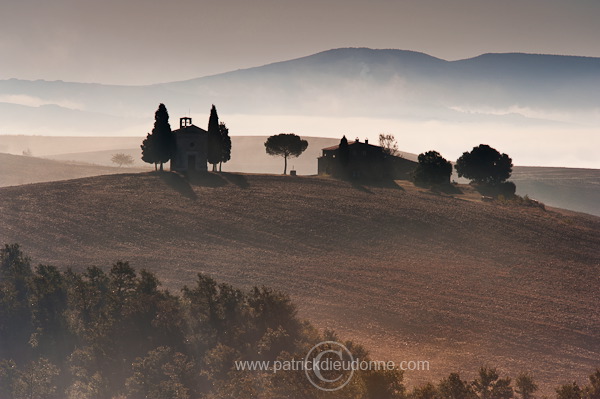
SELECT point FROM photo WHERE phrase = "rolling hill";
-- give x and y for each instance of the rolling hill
(19, 169)
(411, 274)
(570, 188)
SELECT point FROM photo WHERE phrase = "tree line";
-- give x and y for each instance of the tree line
(485, 166)
(159, 146)
(117, 334)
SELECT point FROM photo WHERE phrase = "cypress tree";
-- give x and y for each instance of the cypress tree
(149, 150)
(157, 147)
(214, 139)
(163, 135)
(225, 144)
(344, 152)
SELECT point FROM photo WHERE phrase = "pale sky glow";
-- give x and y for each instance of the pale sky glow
(148, 41)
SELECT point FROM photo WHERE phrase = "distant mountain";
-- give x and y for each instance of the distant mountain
(342, 82)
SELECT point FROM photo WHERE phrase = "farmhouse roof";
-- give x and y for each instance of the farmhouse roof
(335, 147)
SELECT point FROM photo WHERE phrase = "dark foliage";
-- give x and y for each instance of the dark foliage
(215, 143)
(225, 144)
(432, 169)
(158, 146)
(505, 189)
(286, 145)
(344, 152)
(484, 165)
(101, 335)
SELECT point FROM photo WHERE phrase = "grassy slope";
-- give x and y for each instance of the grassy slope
(18, 169)
(413, 275)
(570, 188)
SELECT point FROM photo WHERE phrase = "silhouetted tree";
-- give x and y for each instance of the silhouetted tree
(149, 150)
(592, 391)
(158, 146)
(215, 141)
(8, 375)
(432, 169)
(388, 144)
(225, 144)
(525, 386)
(569, 391)
(485, 165)
(164, 136)
(344, 152)
(427, 391)
(455, 388)
(161, 374)
(37, 380)
(286, 145)
(16, 324)
(384, 384)
(489, 386)
(121, 159)
(52, 337)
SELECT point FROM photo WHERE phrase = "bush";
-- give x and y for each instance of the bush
(432, 169)
(484, 164)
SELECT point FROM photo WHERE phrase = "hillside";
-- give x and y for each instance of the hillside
(19, 169)
(413, 275)
(570, 188)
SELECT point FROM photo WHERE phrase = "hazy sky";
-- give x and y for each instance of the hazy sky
(148, 41)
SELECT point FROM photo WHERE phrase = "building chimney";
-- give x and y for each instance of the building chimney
(185, 122)
(366, 141)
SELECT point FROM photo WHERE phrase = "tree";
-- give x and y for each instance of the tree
(158, 146)
(286, 145)
(149, 150)
(484, 165)
(122, 159)
(592, 391)
(215, 144)
(490, 386)
(225, 144)
(37, 380)
(455, 388)
(525, 386)
(15, 303)
(569, 391)
(432, 169)
(162, 373)
(388, 143)
(344, 152)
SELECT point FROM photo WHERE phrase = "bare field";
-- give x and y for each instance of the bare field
(17, 170)
(411, 274)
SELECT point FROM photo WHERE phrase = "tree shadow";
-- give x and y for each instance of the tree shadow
(365, 184)
(179, 184)
(446, 189)
(237, 179)
(360, 187)
(205, 179)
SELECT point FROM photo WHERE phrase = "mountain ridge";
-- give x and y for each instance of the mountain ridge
(322, 53)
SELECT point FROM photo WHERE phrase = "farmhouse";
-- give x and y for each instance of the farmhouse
(190, 147)
(361, 160)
